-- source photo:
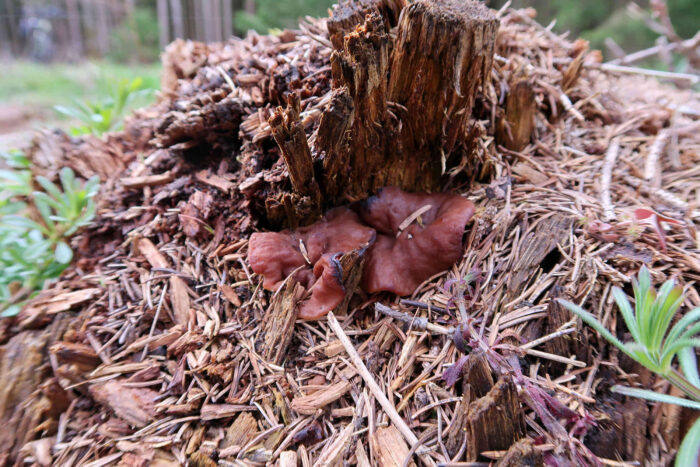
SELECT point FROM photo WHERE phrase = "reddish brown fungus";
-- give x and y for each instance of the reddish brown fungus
(277, 255)
(410, 238)
(400, 260)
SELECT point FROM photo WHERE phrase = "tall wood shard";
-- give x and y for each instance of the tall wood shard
(515, 130)
(362, 68)
(304, 204)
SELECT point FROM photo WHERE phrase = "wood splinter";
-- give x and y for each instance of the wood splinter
(495, 421)
(278, 323)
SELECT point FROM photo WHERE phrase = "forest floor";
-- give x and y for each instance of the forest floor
(163, 344)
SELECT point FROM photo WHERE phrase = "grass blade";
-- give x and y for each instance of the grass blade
(655, 396)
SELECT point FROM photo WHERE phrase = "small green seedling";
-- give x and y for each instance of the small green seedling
(35, 227)
(655, 344)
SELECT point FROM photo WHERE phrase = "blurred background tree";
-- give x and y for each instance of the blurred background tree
(130, 31)
(55, 51)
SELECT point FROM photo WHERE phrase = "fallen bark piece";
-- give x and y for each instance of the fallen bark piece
(80, 354)
(535, 247)
(288, 459)
(147, 180)
(241, 431)
(49, 303)
(278, 323)
(389, 447)
(477, 381)
(180, 298)
(23, 369)
(522, 453)
(217, 411)
(136, 406)
(495, 421)
(308, 405)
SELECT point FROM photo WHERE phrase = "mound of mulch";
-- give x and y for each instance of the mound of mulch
(160, 346)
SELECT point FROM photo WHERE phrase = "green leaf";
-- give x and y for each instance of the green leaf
(63, 253)
(590, 320)
(71, 112)
(627, 313)
(689, 365)
(15, 159)
(22, 222)
(673, 348)
(655, 396)
(689, 450)
(667, 304)
(49, 187)
(686, 320)
(12, 310)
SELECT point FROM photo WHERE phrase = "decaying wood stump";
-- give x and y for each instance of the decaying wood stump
(443, 53)
(399, 106)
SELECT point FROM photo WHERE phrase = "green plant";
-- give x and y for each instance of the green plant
(106, 113)
(655, 344)
(35, 227)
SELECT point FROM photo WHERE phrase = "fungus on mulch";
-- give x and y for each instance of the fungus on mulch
(407, 237)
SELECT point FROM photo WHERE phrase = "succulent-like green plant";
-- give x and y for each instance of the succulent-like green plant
(106, 113)
(655, 344)
(35, 227)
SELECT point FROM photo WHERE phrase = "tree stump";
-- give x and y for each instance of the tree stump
(399, 106)
(442, 55)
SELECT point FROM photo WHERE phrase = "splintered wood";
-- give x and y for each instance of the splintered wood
(160, 346)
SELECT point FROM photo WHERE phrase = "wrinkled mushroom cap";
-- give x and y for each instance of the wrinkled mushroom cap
(277, 255)
(400, 260)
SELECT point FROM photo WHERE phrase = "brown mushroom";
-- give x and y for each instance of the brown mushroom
(277, 255)
(410, 236)
(419, 235)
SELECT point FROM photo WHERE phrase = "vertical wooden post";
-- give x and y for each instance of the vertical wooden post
(227, 14)
(217, 20)
(200, 20)
(163, 23)
(178, 19)
(12, 22)
(5, 41)
(102, 10)
(249, 7)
